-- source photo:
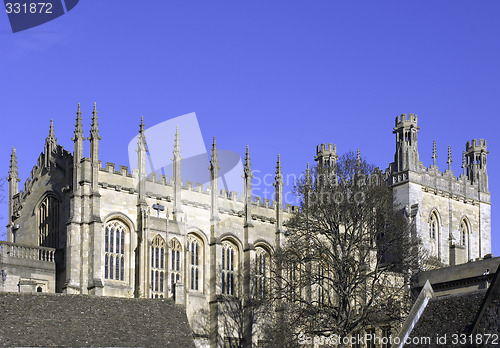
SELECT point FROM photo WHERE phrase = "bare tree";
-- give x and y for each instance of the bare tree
(232, 311)
(348, 255)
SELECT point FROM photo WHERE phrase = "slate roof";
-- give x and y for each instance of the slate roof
(448, 314)
(35, 320)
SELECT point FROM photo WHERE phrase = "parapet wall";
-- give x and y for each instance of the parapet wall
(441, 182)
(161, 187)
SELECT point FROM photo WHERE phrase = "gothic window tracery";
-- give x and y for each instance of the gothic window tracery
(293, 275)
(464, 233)
(175, 263)
(434, 233)
(48, 222)
(158, 247)
(114, 250)
(323, 283)
(195, 246)
(262, 271)
(229, 268)
(434, 226)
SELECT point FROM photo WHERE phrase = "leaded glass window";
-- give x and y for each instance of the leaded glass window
(158, 267)
(114, 250)
(262, 271)
(195, 262)
(48, 222)
(175, 263)
(229, 268)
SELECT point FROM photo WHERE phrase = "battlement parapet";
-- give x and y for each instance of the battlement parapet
(475, 145)
(125, 172)
(326, 148)
(267, 203)
(444, 184)
(198, 187)
(257, 201)
(110, 168)
(405, 119)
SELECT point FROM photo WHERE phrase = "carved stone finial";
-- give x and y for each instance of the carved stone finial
(177, 144)
(434, 155)
(464, 163)
(214, 161)
(94, 128)
(358, 161)
(141, 143)
(13, 173)
(78, 125)
(247, 168)
(449, 158)
(308, 175)
(51, 138)
(279, 177)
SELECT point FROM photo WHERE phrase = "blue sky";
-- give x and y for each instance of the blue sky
(280, 76)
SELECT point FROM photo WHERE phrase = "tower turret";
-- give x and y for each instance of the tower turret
(326, 155)
(406, 130)
(475, 157)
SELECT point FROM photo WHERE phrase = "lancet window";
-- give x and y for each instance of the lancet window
(434, 226)
(48, 222)
(158, 254)
(114, 250)
(229, 268)
(175, 263)
(195, 247)
(464, 233)
(262, 271)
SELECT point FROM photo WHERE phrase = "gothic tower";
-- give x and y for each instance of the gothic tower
(475, 157)
(406, 130)
(451, 214)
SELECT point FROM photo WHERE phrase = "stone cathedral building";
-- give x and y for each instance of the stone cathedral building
(81, 227)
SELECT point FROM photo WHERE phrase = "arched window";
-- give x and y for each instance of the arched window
(114, 250)
(293, 277)
(464, 233)
(158, 267)
(323, 275)
(175, 263)
(434, 226)
(229, 268)
(48, 222)
(195, 247)
(434, 234)
(262, 271)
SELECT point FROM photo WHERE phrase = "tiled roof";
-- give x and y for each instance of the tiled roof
(450, 314)
(36, 320)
